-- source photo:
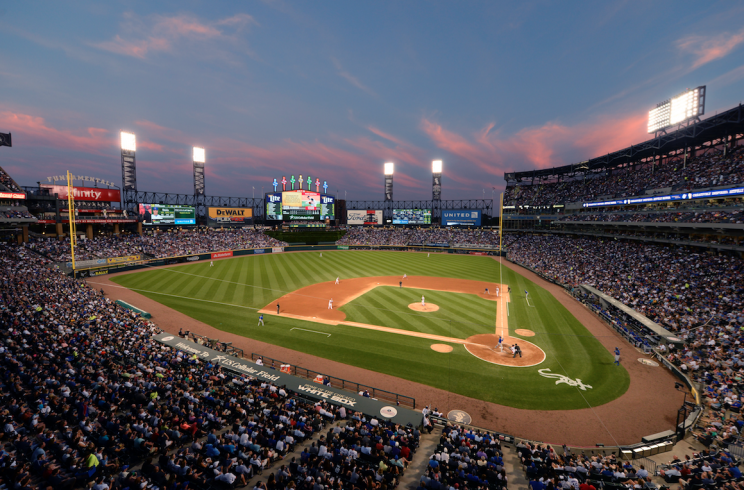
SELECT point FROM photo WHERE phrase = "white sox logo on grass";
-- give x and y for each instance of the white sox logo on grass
(563, 379)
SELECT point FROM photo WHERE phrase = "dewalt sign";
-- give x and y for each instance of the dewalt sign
(230, 216)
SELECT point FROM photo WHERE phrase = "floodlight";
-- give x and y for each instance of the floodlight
(199, 155)
(685, 106)
(389, 168)
(128, 141)
(436, 166)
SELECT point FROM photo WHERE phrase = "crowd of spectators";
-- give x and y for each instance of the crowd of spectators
(422, 236)
(678, 288)
(546, 468)
(360, 453)
(13, 213)
(732, 217)
(157, 245)
(709, 170)
(465, 459)
(7, 182)
(87, 396)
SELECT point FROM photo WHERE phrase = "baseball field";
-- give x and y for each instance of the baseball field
(378, 321)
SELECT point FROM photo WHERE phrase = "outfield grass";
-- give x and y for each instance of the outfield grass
(459, 315)
(227, 296)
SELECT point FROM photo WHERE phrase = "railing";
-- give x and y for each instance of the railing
(648, 464)
(339, 382)
(215, 344)
(736, 450)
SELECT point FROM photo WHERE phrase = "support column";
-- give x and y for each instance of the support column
(24, 233)
(60, 231)
(89, 232)
(116, 228)
(139, 228)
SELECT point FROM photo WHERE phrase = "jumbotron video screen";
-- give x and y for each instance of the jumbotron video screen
(411, 216)
(299, 205)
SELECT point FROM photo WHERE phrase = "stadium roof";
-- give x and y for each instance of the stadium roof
(714, 128)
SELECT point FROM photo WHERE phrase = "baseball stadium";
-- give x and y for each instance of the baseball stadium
(581, 328)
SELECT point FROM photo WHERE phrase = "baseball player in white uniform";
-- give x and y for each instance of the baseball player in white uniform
(497, 291)
(330, 304)
(423, 301)
(337, 280)
(211, 264)
(404, 276)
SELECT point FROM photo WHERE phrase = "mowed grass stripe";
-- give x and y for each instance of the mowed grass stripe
(571, 350)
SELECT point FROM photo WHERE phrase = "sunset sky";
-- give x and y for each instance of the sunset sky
(335, 89)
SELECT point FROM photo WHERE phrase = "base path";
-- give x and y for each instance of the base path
(311, 304)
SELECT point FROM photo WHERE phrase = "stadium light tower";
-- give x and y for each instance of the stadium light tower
(436, 186)
(389, 170)
(199, 161)
(129, 171)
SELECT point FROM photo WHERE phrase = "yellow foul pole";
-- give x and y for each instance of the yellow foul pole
(71, 213)
(501, 222)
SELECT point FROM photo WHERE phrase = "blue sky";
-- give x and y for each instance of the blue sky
(334, 89)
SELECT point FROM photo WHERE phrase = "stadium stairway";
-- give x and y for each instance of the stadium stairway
(419, 464)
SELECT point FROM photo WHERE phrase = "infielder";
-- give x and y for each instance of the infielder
(330, 304)
(497, 291)
(337, 280)
(423, 301)
(487, 292)
(501, 343)
(260, 320)
(404, 276)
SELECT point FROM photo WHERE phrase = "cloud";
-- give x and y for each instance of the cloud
(351, 78)
(710, 48)
(551, 145)
(142, 37)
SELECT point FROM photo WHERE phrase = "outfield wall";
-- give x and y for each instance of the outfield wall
(100, 270)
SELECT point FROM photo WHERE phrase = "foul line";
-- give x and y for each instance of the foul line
(306, 330)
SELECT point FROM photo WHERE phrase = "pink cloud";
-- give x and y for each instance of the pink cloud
(550, 145)
(710, 48)
(144, 36)
(33, 130)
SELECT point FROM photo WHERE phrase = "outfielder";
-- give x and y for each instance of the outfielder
(321, 254)
(260, 320)
(211, 264)
(330, 304)
(336, 280)
(617, 356)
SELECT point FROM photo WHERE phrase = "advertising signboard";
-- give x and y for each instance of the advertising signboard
(85, 193)
(229, 216)
(364, 217)
(160, 214)
(461, 217)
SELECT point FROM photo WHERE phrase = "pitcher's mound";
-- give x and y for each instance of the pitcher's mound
(426, 309)
(524, 332)
(441, 347)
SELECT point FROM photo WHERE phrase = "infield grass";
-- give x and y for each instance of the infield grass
(228, 295)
